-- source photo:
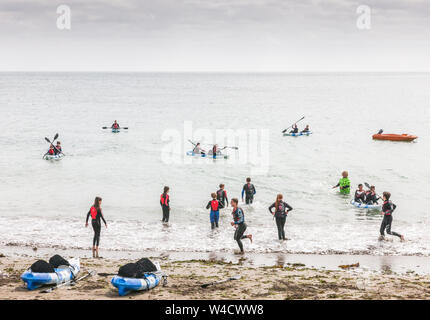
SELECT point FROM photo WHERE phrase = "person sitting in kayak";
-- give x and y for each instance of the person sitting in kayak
(380, 131)
(221, 196)
(387, 210)
(371, 197)
(306, 129)
(51, 150)
(215, 150)
(344, 184)
(214, 214)
(249, 191)
(198, 150)
(295, 129)
(57, 148)
(360, 194)
(115, 125)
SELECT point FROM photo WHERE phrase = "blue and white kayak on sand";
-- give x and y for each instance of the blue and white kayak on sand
(366, 206)
(209, 155)
(149, 281)
(34, 280)
(289, 134)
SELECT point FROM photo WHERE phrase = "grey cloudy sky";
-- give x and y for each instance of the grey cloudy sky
(215, 35)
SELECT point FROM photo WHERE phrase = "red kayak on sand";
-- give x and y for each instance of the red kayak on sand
(394, 137)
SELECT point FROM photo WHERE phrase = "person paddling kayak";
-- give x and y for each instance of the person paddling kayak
(387, 210)
(214, 205)
(96, 214)
(239, 223)
(221, 196)
(115, 125)
(344, 184)
(58, 148)
(249, 191)
(371, 197)
(198, 150)
(306, 129)
(51, 150)
(165, 204)
(280, 214)
(360, 194)
(295, 129)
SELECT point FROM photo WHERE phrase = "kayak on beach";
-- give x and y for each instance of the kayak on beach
(35, 280)
(292, 134)
(394, 137)
(366, 206)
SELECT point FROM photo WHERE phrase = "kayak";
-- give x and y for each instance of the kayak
(35, 280)
(53, 157)
(127, 285)
(209, 156)
(289, 134)
(366, 206)
(116, 130)
(394, 137)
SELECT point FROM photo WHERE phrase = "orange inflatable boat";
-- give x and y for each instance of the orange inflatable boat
(394, 137)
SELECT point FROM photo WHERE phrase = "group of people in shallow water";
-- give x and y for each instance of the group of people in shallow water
(370, 197)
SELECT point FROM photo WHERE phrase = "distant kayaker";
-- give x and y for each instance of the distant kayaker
(51, 150)
(115, 125)
(214, 205)
(306, 129)
(249, 191)
(360, 194)
(239, 223)
(165, 204)
(371, 197)
(387, 210)
(96, 214)
(344, 184)
(221, 196)
(57, 148)
(295, 129)
(198, 150)
(215, 150)
(280, 214)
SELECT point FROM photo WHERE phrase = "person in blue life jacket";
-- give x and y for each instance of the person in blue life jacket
(214, 205)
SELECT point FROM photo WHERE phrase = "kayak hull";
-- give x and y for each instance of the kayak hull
(35, 280)
(394, 137)
(204, 155)
(116, 130)
(298, 134)
(366, 206)
(127, 285)
(56, 157)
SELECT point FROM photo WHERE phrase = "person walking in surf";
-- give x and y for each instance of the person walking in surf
(221, 196)
(344, 184)
(387, 210)
(214, 205)
(239, 223)
(96, 214)
(280, 214)
(165, 204)
(249, 191)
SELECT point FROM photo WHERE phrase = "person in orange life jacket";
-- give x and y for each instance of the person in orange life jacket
(214, 214)
(281, 210)
(51, 150)
(96, 214)
(221, 196)
(165, 204)
(215, 150)
(239, 224)
(115, 125)
(360, 194)
(57, 148)
(249, 191)
(387, 210)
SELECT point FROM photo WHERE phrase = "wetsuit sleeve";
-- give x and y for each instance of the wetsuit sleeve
(101, 215)
(88, 216)
(253, 187)
(271, 207)
(243, 191)
(394, 207)
(209, 205)
(337, 185)
(240, 217)
(289, 208)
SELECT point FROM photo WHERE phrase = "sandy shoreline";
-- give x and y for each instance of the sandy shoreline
(281, 280)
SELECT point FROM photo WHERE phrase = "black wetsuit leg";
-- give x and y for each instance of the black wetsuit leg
(249, 199)
(166, 212)
(280, 223)
(386, 225)
(97, 228)
(239, 235)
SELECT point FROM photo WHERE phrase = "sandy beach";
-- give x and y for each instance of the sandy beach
(287, 281)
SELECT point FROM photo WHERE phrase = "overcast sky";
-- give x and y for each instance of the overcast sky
(215, 35)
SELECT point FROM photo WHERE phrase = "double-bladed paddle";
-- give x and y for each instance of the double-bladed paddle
(90, 273)
(237, 277)
(283, 131)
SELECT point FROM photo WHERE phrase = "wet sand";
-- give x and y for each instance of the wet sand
(280, 280)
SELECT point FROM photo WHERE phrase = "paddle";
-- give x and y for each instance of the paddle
(368, 186)
(52, 144)
(237, 277)
(125, 128)
(90, 273)
(293, 124)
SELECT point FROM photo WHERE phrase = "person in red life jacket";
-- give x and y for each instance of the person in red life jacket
(249, 191)
(215, 150)
(96, 214)
(239, 224)
(214, 205)
(387, 210)
(281, 210)
(221, 196)
(57, 148)
(165, 204)
(115, 125)
(51, 150)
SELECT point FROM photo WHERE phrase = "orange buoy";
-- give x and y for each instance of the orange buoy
(394, 137)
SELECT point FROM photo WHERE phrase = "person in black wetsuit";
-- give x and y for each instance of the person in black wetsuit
(96, 214)
(281, 210)
(115, 125)
(239, 223)
(295, 129)
(249, 191)
(387, 210)
(57, 148)
(165, 204)
(306, 129)
(360, 194)
(221, 196)
(371, 197)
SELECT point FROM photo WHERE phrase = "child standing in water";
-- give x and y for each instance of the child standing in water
(344, 184)
(214, 215)
(96, 214)
(281, 210)
(221, 196)
(239, 224)
(165, 204)
(387, 210)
